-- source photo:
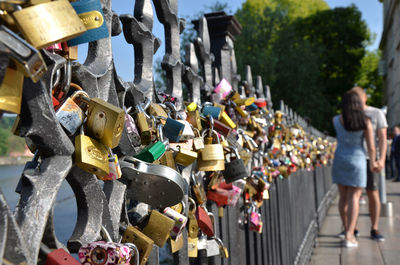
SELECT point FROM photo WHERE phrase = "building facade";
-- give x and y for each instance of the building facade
(390, 64)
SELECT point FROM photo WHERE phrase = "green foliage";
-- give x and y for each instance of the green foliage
(8, 141)
(308, 55)
(3, 142)
(369, 78)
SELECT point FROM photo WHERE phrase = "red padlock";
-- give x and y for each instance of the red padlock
(219, 198)
(59, 257)
(204, 221)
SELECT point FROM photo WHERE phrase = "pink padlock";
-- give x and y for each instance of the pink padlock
(223, 88)
(180, 222)
(105, 253)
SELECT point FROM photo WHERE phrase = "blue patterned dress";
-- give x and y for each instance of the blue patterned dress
(349, 165)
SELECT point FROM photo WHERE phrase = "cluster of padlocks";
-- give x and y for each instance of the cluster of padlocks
(234, 146)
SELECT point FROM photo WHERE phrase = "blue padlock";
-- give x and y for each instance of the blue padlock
(252, 107)
(173, 130)
(91, 14)
(215, 112)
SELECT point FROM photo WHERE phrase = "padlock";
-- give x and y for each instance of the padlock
(193, 227)
(173, 129)
(214, 112)
(191, 106)
(115, 168)
(58, 256)
(223, 88)
(153, 151)
(187, 132)
(193, 117)
(227, 120)
(185, 157)
(157, 185)
(198, 190)
(204, 221)
(221, 128)
(244, 101)
(91, 156)
(192, 247)
(212, 151)
(143, 243)
(106, 252)
(143, 125)
(70, 114)
(131, 129)
(27, 58)
(159, 228)
(157, 110)
(215, 246)
(252, 107)
(180, 222)
(198, 141)
(61, 23)
(176, 245)
(235, 169)
(91, 14)
(105, 122)
(167, 159)
(11, 91)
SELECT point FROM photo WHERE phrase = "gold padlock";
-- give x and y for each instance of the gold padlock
(192, 247)
(156, 110)
(224, 118)
(142, 242)
(158, 228)
(105, 122)
(185, 157)
(210, 165)
(212, 151)
(198, 142)
(176, 245)
(143, 126)
(167, 159)
(193, 117)
(91, 156)
(48, 23)
(11, 91)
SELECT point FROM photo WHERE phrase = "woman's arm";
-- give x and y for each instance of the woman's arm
(369, 137)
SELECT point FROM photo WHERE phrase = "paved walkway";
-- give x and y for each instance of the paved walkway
(328, 249)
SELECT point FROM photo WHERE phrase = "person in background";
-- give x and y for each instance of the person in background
(395, 151)
(379, 125)
(349, 170)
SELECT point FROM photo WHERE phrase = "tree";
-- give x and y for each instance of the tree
(3, 142)
(369, 78)
(308, 57)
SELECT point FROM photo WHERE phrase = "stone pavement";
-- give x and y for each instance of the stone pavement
(328, 250)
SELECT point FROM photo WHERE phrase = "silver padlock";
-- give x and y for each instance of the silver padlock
(27, 58)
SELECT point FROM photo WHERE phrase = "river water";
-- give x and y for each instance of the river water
(65, 212)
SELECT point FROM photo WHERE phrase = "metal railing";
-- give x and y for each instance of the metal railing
(291, 216)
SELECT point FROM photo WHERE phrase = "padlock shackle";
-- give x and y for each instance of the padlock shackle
(135, 250)
(106, 234)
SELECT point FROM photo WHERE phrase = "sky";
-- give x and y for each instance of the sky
(123, 53)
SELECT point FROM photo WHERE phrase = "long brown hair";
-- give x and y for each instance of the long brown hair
(354, 118)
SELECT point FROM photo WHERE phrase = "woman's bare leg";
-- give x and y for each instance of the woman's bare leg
(342, 204)
(353, 198)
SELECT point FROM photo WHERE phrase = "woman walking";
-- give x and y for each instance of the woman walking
(349, 165)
